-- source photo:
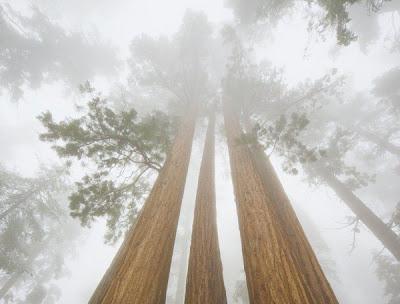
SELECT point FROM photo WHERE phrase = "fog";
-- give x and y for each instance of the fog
(97, 100)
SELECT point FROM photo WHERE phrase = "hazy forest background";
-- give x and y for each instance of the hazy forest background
(93, 93)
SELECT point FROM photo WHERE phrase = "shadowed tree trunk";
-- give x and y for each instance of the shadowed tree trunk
(291, 227)
(272, 273)
(204, 280)
(139, 272)
(382, 231)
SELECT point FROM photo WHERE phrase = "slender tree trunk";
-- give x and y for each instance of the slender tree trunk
(382, 231)
(291, 227)
(272, 274)
(205, 282)
(139, 272)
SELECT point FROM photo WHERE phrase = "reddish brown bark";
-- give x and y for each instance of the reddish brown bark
(273, 274)
(293, 232)
(204, 280)
(139, 272)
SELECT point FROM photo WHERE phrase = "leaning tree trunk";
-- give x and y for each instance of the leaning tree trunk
(204, 280)
(385, 235)
(272, 273)
(139, 272)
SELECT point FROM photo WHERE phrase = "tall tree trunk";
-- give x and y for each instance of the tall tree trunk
(382, 231)
(291, 227)
(293, 231)
(139, 272)
(272, 273)
(205, 282)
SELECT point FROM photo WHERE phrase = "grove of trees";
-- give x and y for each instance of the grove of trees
(120, 159)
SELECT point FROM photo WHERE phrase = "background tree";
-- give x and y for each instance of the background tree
(35, 50)
(322, 14)
(34, 233)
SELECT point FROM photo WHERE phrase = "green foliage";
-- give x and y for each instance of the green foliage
(124, 150)
(34, 233)
(334, 14)
(176, 67)
(339, 144)
(241, 294)
(258, 10)
(28, 207)
(388, 270)
(395, 220)
(35, 50)
(282, 137)
(387, 90)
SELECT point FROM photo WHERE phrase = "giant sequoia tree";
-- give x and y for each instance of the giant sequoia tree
(204, 280)
(291, 277)
(124, 147)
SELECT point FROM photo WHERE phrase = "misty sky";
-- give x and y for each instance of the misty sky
(113, 25)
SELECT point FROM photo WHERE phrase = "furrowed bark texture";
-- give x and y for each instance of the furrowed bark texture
(385, 235)
(293, 232)
(139, 272)
(204, 282)
(272, 273)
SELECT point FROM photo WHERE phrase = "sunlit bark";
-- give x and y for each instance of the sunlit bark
(204, 280)
(291, 227)
(139, 272)
(272, 272)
